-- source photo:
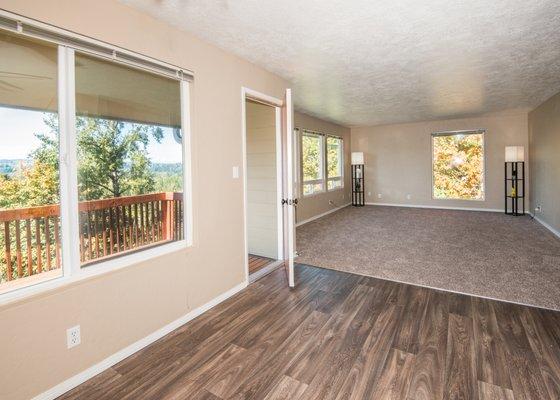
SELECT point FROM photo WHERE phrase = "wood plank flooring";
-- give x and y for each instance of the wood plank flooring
(256, 263)
(343, 336)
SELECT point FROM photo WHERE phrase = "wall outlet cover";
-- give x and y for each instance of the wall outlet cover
(73, 336)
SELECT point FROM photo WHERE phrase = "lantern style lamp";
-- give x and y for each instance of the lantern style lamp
(358, 194)
(515, 180)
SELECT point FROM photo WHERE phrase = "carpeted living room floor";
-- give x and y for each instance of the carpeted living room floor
(480, 253)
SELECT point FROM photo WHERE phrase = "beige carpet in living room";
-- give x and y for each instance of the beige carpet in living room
(479, 253)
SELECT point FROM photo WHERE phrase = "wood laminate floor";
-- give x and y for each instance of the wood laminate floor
(344, 336)
(256, 263)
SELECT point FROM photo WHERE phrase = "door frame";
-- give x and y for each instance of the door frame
(277, 104)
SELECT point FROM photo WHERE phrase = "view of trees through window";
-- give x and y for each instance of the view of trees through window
(320, 153)
(312, 163)
(334, 162)
(458, 166)
(124, 153)
(115, 159)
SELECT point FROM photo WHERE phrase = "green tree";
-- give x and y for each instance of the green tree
(112, 156)
(458, 164)
(311, 154)
(334, 147)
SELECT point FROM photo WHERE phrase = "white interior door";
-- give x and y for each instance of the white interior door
(289, 200)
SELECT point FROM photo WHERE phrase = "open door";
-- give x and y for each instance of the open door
(289, 201)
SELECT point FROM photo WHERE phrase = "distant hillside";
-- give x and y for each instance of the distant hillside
(171, 168)
(8, 166)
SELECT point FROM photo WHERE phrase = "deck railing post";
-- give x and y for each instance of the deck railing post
(166, 215)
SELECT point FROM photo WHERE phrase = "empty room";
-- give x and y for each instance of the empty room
(279, 200)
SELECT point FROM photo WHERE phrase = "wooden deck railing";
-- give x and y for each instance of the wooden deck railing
(30, 237)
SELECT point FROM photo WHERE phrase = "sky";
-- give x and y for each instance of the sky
(18, 128)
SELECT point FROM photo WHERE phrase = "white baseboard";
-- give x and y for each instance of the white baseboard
(436, 207)
(305, 221)
(546, 225)
(89, 373)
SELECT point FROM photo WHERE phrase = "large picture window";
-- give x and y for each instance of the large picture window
(335, 163)
(93, 161)
(312, 163)
(458, 165)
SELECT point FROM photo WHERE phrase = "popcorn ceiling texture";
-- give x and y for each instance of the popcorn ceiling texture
(367, 62)
(478, 253)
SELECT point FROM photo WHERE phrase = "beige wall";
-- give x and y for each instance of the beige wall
(119, 308)
(398, 158)
(544, 137)
(262, 192)
(312, 206)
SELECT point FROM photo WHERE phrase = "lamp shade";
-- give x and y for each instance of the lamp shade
(515, 153)
(357, 158)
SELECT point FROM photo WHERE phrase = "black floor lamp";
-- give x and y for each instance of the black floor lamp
(515, 180)
(358, 197)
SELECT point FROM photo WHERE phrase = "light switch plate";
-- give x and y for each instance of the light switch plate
(236, 172)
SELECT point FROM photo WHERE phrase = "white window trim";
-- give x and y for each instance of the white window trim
(71, 268)
(460, 132)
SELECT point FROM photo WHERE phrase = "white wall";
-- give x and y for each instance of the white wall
(544, 133)
(262, 212)
(399, 160)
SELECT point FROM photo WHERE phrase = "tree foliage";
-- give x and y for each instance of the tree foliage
(334, 148)
(458, 167)
(311, 157)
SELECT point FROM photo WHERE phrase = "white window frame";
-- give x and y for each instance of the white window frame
(68, 43)
(341, 161)
(322, 163)
(453, 133)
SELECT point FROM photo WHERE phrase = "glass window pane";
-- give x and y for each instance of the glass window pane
(312, 156)
(458, 166)
(30, 237)
(334, 184)
(334, 157)
(130, 163)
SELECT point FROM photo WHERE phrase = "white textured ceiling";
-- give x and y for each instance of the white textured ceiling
(369, 62)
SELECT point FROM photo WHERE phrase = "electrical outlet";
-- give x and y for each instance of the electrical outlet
(408, 197)
(379, 195)
(73, 337)
(538, 209)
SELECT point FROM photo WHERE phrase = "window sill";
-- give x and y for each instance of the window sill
(452, 199)
(91, 271)
(307, 196)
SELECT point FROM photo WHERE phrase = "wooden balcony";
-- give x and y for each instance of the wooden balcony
(30, 237)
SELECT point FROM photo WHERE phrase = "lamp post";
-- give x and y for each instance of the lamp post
(515, 180)
(358, 197)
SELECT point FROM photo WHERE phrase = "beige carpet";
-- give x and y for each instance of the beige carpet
(480, 253)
